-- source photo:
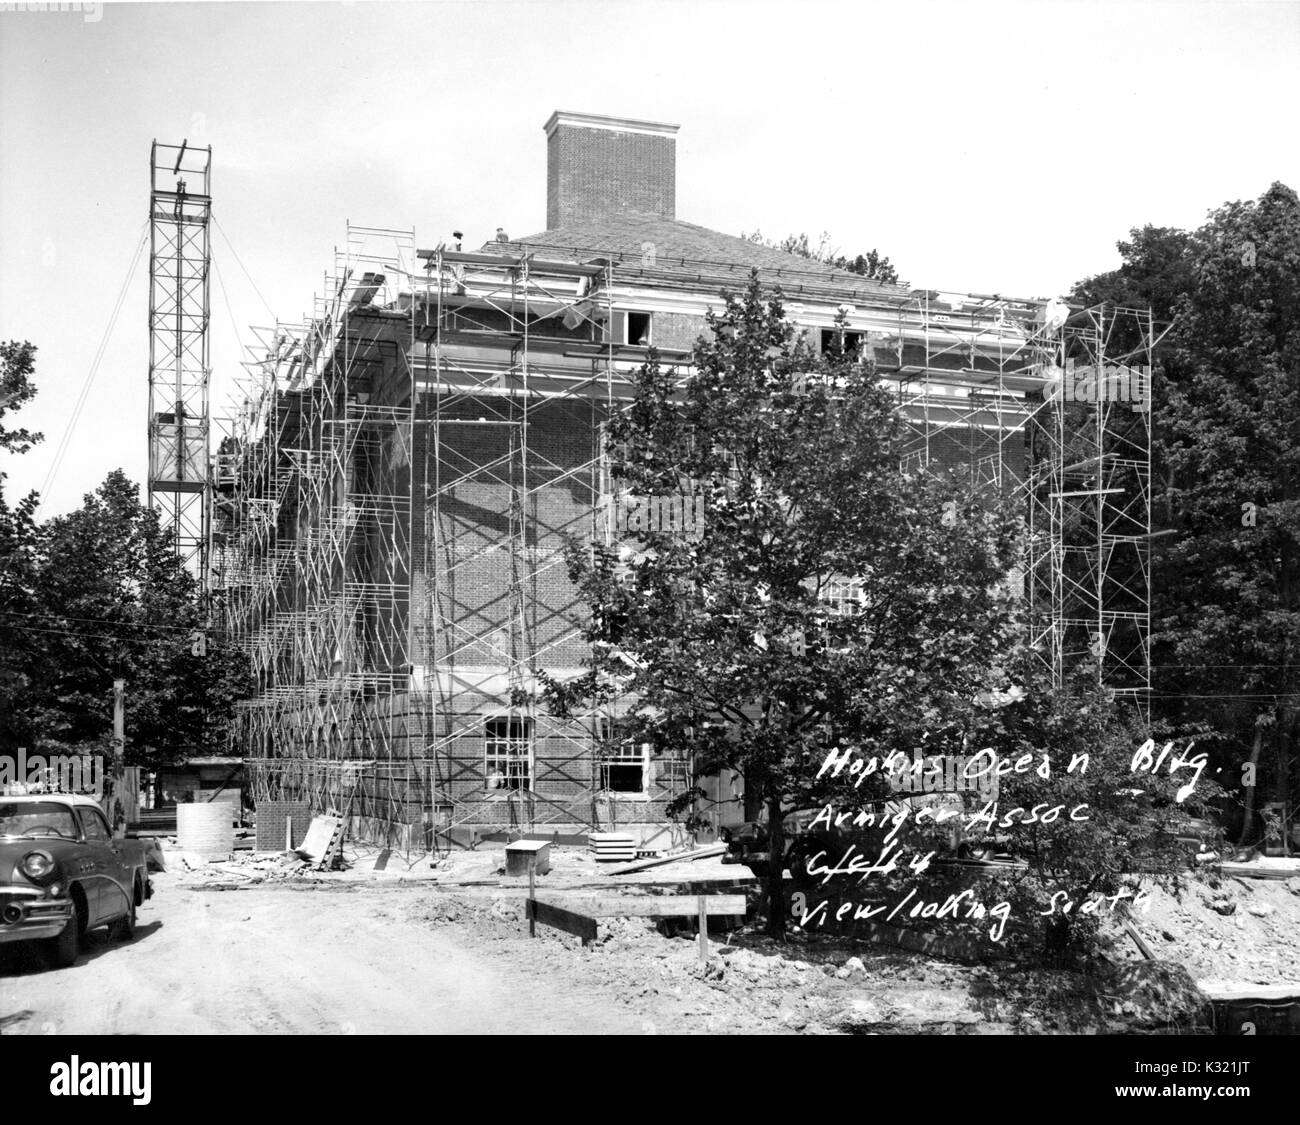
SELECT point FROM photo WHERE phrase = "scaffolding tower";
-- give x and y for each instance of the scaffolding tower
(314, 504)
(1049, 405)
(180, 215)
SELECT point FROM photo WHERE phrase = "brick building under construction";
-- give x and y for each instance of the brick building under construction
(395, 489)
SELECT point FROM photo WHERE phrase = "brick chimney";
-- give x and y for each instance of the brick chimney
(600, 167)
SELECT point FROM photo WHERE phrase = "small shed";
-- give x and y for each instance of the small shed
(197, 780)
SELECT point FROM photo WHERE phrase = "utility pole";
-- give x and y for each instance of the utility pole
(113, 797)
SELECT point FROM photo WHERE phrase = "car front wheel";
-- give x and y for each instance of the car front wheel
(124, 928)
(61, 951)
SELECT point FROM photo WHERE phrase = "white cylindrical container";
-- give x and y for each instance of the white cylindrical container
(205, 829)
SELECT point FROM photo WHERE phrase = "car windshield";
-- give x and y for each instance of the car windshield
(37, 818)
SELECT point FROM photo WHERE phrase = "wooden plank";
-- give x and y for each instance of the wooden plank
(1228, 990)
(570, 921)
(684, 857)
(1139, 941)
(701, 905)
(323, 835)
(532, 895)
(689, 884)
(654, 906)
(1252, 871)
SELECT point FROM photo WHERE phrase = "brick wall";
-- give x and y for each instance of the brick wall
(271, 816)
(471, 572)
(677, 330)
(596, 174)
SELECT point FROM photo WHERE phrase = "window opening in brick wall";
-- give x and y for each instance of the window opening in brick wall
(852, 341)
(638, 329)
(623, 762)
(508, 753)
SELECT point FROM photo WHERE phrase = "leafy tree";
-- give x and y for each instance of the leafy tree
(1157, 271)
(117, 603)
(20, 547)
(17, 364)
(1232, 482)
(735, 647)
(1226, 473)
(1122, 840)
(870, 265)
(95, 596)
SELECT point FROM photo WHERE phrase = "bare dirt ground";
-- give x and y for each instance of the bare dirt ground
(280, 960)
(415, 948)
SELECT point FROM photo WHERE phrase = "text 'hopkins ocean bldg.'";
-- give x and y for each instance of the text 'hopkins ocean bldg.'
(392, 498)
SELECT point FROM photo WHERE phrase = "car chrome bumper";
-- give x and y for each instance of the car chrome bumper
(29, 915)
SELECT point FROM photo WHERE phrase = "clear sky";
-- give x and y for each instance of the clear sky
(990, 147)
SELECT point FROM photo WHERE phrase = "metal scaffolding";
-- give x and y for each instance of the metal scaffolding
(1049, 405)
(397, 485)
(315, 515)
(1091, 499)
(517, 373)
(180, 215)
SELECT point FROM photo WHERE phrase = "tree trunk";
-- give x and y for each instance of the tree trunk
(1248, 823)
(776, 902)
(1282, 747)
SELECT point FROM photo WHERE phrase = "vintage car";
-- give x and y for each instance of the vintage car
(63, 873)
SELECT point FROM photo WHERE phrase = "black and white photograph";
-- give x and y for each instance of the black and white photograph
(646, 518)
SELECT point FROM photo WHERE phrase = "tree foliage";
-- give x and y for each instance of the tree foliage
(17, 364)
(834, 602)
(871, 265)
(94, 596)
(731, 644)
(115, 603)
(1226, 619)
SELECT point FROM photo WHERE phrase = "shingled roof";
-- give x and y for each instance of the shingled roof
(686, 245)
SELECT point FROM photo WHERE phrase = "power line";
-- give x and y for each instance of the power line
(86, 635)
(66, 441)
(235, 255)
(102, 621)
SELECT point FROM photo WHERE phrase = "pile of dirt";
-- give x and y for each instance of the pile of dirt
(1227, 929)
(821, 984)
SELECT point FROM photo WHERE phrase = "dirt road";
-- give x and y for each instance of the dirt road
(290, 961)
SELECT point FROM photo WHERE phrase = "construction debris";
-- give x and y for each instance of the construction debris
(684, 857)
(247, 870)
(323, 845)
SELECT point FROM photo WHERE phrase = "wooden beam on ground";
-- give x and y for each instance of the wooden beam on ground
(1231, 991)
(652, 906)
(1254, 871)
(1139, 940)
(570, 921)
(701, 904)
(683, 857)
(694, 884)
